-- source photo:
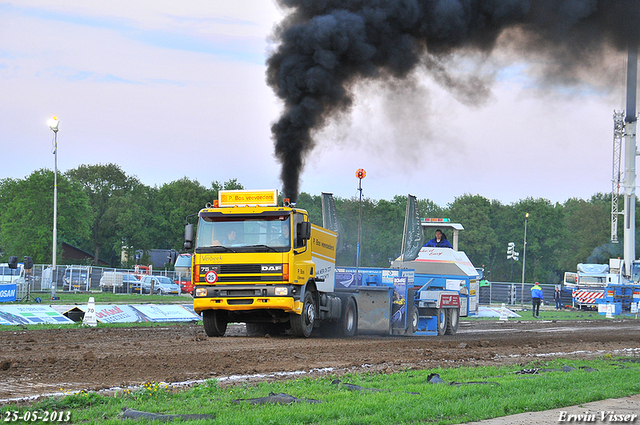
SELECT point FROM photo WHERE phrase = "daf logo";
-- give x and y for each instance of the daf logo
(271, 268)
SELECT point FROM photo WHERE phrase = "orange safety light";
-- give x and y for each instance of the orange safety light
(196, 275)
(361, 173)
(285, 271)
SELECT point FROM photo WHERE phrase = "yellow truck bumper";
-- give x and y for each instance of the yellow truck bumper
(286, 304)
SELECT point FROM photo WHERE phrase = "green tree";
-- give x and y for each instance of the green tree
(586, 231)
(313, 205)
(474, 213)
(430, 209)
(544, 236)
(26, 217)
(174, 201)
(231, 184)
(105, 186)
(135, 222)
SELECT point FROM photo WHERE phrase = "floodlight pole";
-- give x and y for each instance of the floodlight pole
(53, 125)
(360, 174)
(524, 258)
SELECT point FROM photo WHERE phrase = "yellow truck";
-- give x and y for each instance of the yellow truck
(265, 265)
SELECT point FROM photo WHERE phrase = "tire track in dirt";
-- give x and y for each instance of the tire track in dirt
(34, 362)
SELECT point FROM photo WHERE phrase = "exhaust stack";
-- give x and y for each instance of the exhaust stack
(630, 159)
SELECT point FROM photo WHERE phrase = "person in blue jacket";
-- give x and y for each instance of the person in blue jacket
(440, 241)
(536, 299)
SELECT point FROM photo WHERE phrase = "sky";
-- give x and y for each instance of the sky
(170, 89)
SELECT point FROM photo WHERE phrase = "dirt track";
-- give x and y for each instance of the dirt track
(42, 362)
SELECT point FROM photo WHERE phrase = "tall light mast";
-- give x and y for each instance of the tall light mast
(618, 135)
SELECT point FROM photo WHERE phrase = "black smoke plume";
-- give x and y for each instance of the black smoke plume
(324, 47)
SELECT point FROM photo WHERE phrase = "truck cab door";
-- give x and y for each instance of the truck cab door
(301, 231)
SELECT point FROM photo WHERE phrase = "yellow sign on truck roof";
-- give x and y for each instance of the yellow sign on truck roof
(233, 198)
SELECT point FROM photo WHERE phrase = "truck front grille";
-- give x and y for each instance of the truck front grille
(243, 273)
(230, 279)
(239, 268)
(244, 293)
(239, 302)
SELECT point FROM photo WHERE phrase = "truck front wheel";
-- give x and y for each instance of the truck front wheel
(215, 322)
(302, 324)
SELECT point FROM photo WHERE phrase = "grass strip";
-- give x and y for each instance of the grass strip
(506, 393)
(106, 298)
(553, 315)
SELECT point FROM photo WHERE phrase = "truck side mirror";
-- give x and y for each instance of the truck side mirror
(304, 230)
(13, 262)
(188, 236)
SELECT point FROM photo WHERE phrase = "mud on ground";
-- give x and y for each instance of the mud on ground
(36, 362)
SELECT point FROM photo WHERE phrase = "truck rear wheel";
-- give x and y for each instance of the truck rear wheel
(215, 322)
(442, 317)
(452, 321)
(348, 324)
(302, 324)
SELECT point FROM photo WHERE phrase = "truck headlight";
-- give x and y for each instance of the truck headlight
(281, 291)
(201, 292)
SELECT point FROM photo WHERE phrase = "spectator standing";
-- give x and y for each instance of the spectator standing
(536, 299)
(557, 297)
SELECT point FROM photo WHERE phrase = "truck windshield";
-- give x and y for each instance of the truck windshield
(260, 234)
(635, 272)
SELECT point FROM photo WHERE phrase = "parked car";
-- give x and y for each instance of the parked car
(161, 285)
(119, 282)
(185, 284)
(76, 279)
(130, 283)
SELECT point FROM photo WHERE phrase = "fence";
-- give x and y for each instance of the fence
(86, 278)
(73, 278)
(511, 293)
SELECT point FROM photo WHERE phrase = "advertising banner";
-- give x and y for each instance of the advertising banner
(166, 313)
(412, 238)
(118, 314)
(8, 292)
(399, 318)
(30, 315)
(121, 313)
(142, 313)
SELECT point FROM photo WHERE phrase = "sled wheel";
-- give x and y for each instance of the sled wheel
(415, 319)
(452, 321)
(442, 320)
